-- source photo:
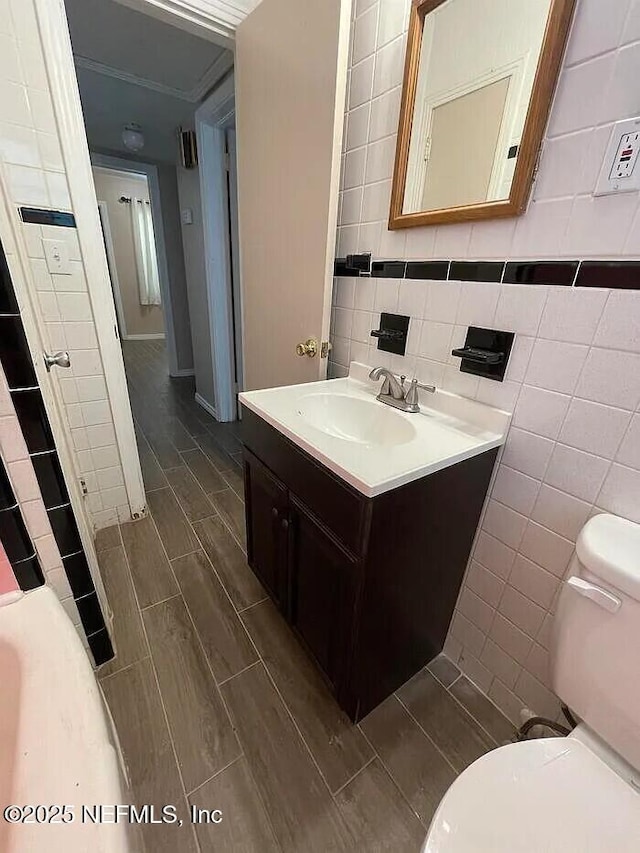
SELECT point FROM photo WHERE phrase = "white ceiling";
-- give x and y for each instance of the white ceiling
(213, 19)
(108, 104)
(134, 68)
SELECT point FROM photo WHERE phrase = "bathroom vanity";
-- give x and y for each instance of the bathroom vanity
(360, 521)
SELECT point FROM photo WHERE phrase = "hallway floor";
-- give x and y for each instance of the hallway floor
(215, 703)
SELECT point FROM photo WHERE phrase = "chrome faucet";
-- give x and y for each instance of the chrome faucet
(393, 393)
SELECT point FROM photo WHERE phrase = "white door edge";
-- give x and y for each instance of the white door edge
(111, 258)
(211, 118)
(58, 58)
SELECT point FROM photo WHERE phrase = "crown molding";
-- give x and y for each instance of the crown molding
(216, 20)
(212, 75)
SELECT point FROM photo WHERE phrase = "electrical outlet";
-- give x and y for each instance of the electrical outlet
(620, 171)
(626, 156)
(57, 255)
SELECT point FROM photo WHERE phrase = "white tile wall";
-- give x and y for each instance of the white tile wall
(33, 174)
(594, 90)
(573, 381)
(573, 449)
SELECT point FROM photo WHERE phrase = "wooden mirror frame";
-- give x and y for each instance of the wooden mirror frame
(551, 53)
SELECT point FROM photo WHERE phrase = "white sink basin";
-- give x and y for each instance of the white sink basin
(354, 419)
(374, 447)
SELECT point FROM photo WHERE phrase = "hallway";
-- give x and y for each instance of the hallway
(215, 703)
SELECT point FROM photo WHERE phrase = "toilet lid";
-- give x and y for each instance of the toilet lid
(544, 796)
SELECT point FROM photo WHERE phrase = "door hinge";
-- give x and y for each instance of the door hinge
(83, 486)
(325, 349)
(227, 161)
(116, 333)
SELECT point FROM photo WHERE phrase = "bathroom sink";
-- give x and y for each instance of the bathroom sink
(357, 420)
(373, 447)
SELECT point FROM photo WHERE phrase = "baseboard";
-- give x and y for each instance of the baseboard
(206, 406)
(150, 337)
(179, 374)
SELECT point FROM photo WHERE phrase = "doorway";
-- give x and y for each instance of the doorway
(154, 79)
(132, 255)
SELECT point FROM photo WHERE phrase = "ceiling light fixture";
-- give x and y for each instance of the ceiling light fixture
(132, 137)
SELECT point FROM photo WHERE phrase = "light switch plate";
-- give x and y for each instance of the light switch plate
(620, 172)
(57, 256)
(186, 216)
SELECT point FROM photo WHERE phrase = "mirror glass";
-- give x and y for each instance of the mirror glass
(476, 69)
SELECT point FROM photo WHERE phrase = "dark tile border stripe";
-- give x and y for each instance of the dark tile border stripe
(40, 216)
(541, 272)
(623, 275)
(388, 269)
(433, 270)
(476, 270)
(16, 540)
(34, 422)
(620, 275)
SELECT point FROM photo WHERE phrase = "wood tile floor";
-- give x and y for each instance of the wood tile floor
(215, 703)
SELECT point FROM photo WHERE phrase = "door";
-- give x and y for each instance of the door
(267, 527)
(321, 591)
(461, 164)
(234, 252)
(291, 74)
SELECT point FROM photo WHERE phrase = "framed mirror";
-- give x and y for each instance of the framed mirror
(478, 83)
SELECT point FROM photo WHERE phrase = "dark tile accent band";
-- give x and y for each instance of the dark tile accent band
(65, 530)
(28, 574)
(7, 498)
(34, 422)
(622, 275)
(8, 301)
(90, 613)
(388, 269)
(78, 574)
(476, 271)
(13, 534)
(560, 273)
(50, 479)
(40, 216)
(100, 646)
(341, 269)
(15, 355)
(15, 538)
(434, 270)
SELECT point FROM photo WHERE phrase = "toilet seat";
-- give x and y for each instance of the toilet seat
(552, 795)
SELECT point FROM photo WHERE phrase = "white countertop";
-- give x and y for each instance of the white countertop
(447, 430)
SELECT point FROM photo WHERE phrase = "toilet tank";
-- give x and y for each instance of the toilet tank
(595, 652)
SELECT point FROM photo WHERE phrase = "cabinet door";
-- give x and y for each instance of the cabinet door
(321, 593)
(267, 527)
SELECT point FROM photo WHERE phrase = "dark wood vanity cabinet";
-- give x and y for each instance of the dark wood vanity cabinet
(368, 584)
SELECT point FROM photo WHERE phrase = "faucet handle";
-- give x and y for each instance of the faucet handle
(412, 394)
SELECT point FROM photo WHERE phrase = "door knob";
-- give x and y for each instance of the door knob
(59, 359)
(309, 348)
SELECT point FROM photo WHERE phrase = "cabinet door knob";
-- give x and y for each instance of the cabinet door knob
(285, 523)
(274, 511)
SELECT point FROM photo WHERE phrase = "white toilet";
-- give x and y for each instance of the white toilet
(580, 793)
